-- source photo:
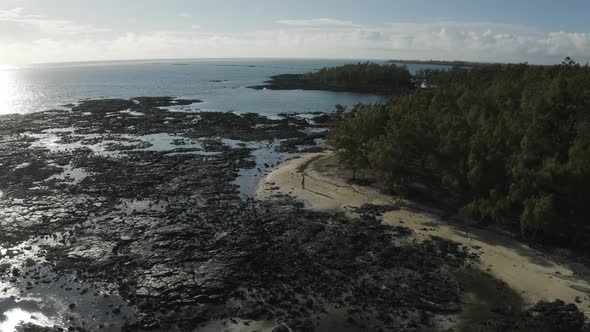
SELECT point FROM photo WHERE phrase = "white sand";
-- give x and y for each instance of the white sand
(528, 271)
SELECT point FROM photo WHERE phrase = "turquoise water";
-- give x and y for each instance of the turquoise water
(221, 84)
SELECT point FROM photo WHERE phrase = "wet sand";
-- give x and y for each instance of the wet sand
(318, 181)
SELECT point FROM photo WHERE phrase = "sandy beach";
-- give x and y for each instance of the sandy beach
(315, 179)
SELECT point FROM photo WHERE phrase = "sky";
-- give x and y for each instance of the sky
(534, 31)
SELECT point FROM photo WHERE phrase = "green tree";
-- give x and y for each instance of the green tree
(509, 143)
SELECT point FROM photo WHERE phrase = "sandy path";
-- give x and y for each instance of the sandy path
(528, 271)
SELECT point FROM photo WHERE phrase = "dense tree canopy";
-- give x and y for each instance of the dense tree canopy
(511, 143)
(362, 77)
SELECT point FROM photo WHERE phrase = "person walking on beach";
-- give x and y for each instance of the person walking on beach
(303, 180)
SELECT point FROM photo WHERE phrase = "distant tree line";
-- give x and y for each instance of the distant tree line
(510, 144)
(361, 77)
(440, 62)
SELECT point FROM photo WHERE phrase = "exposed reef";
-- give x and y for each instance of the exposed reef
(123, 215)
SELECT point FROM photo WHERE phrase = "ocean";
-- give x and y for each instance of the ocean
(221, 84)
(144, 186)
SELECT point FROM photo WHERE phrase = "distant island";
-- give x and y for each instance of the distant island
(361, 78)
(389, 79)
(454, 63)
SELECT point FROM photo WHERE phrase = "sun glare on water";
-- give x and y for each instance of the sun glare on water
(8, 67)
(8, 89)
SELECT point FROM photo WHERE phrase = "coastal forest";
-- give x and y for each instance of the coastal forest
(501, 144)
(362, 78)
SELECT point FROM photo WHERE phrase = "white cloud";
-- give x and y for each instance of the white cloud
(185, 15)
(16, 20)
(63, 40)
(319, 22)
(10, 13)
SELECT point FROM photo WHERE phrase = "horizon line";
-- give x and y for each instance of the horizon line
(147, 60)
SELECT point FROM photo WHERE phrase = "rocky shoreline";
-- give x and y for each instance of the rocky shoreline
(509, 287)
(138, 215)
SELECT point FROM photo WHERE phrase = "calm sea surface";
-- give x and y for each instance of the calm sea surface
(221, 84)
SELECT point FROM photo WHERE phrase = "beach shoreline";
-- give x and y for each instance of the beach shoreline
(314, 181)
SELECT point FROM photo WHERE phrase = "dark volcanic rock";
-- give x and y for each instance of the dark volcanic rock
(103, 105)
(375, 210)
(543, 317)
(136, 222)
(164, 101)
